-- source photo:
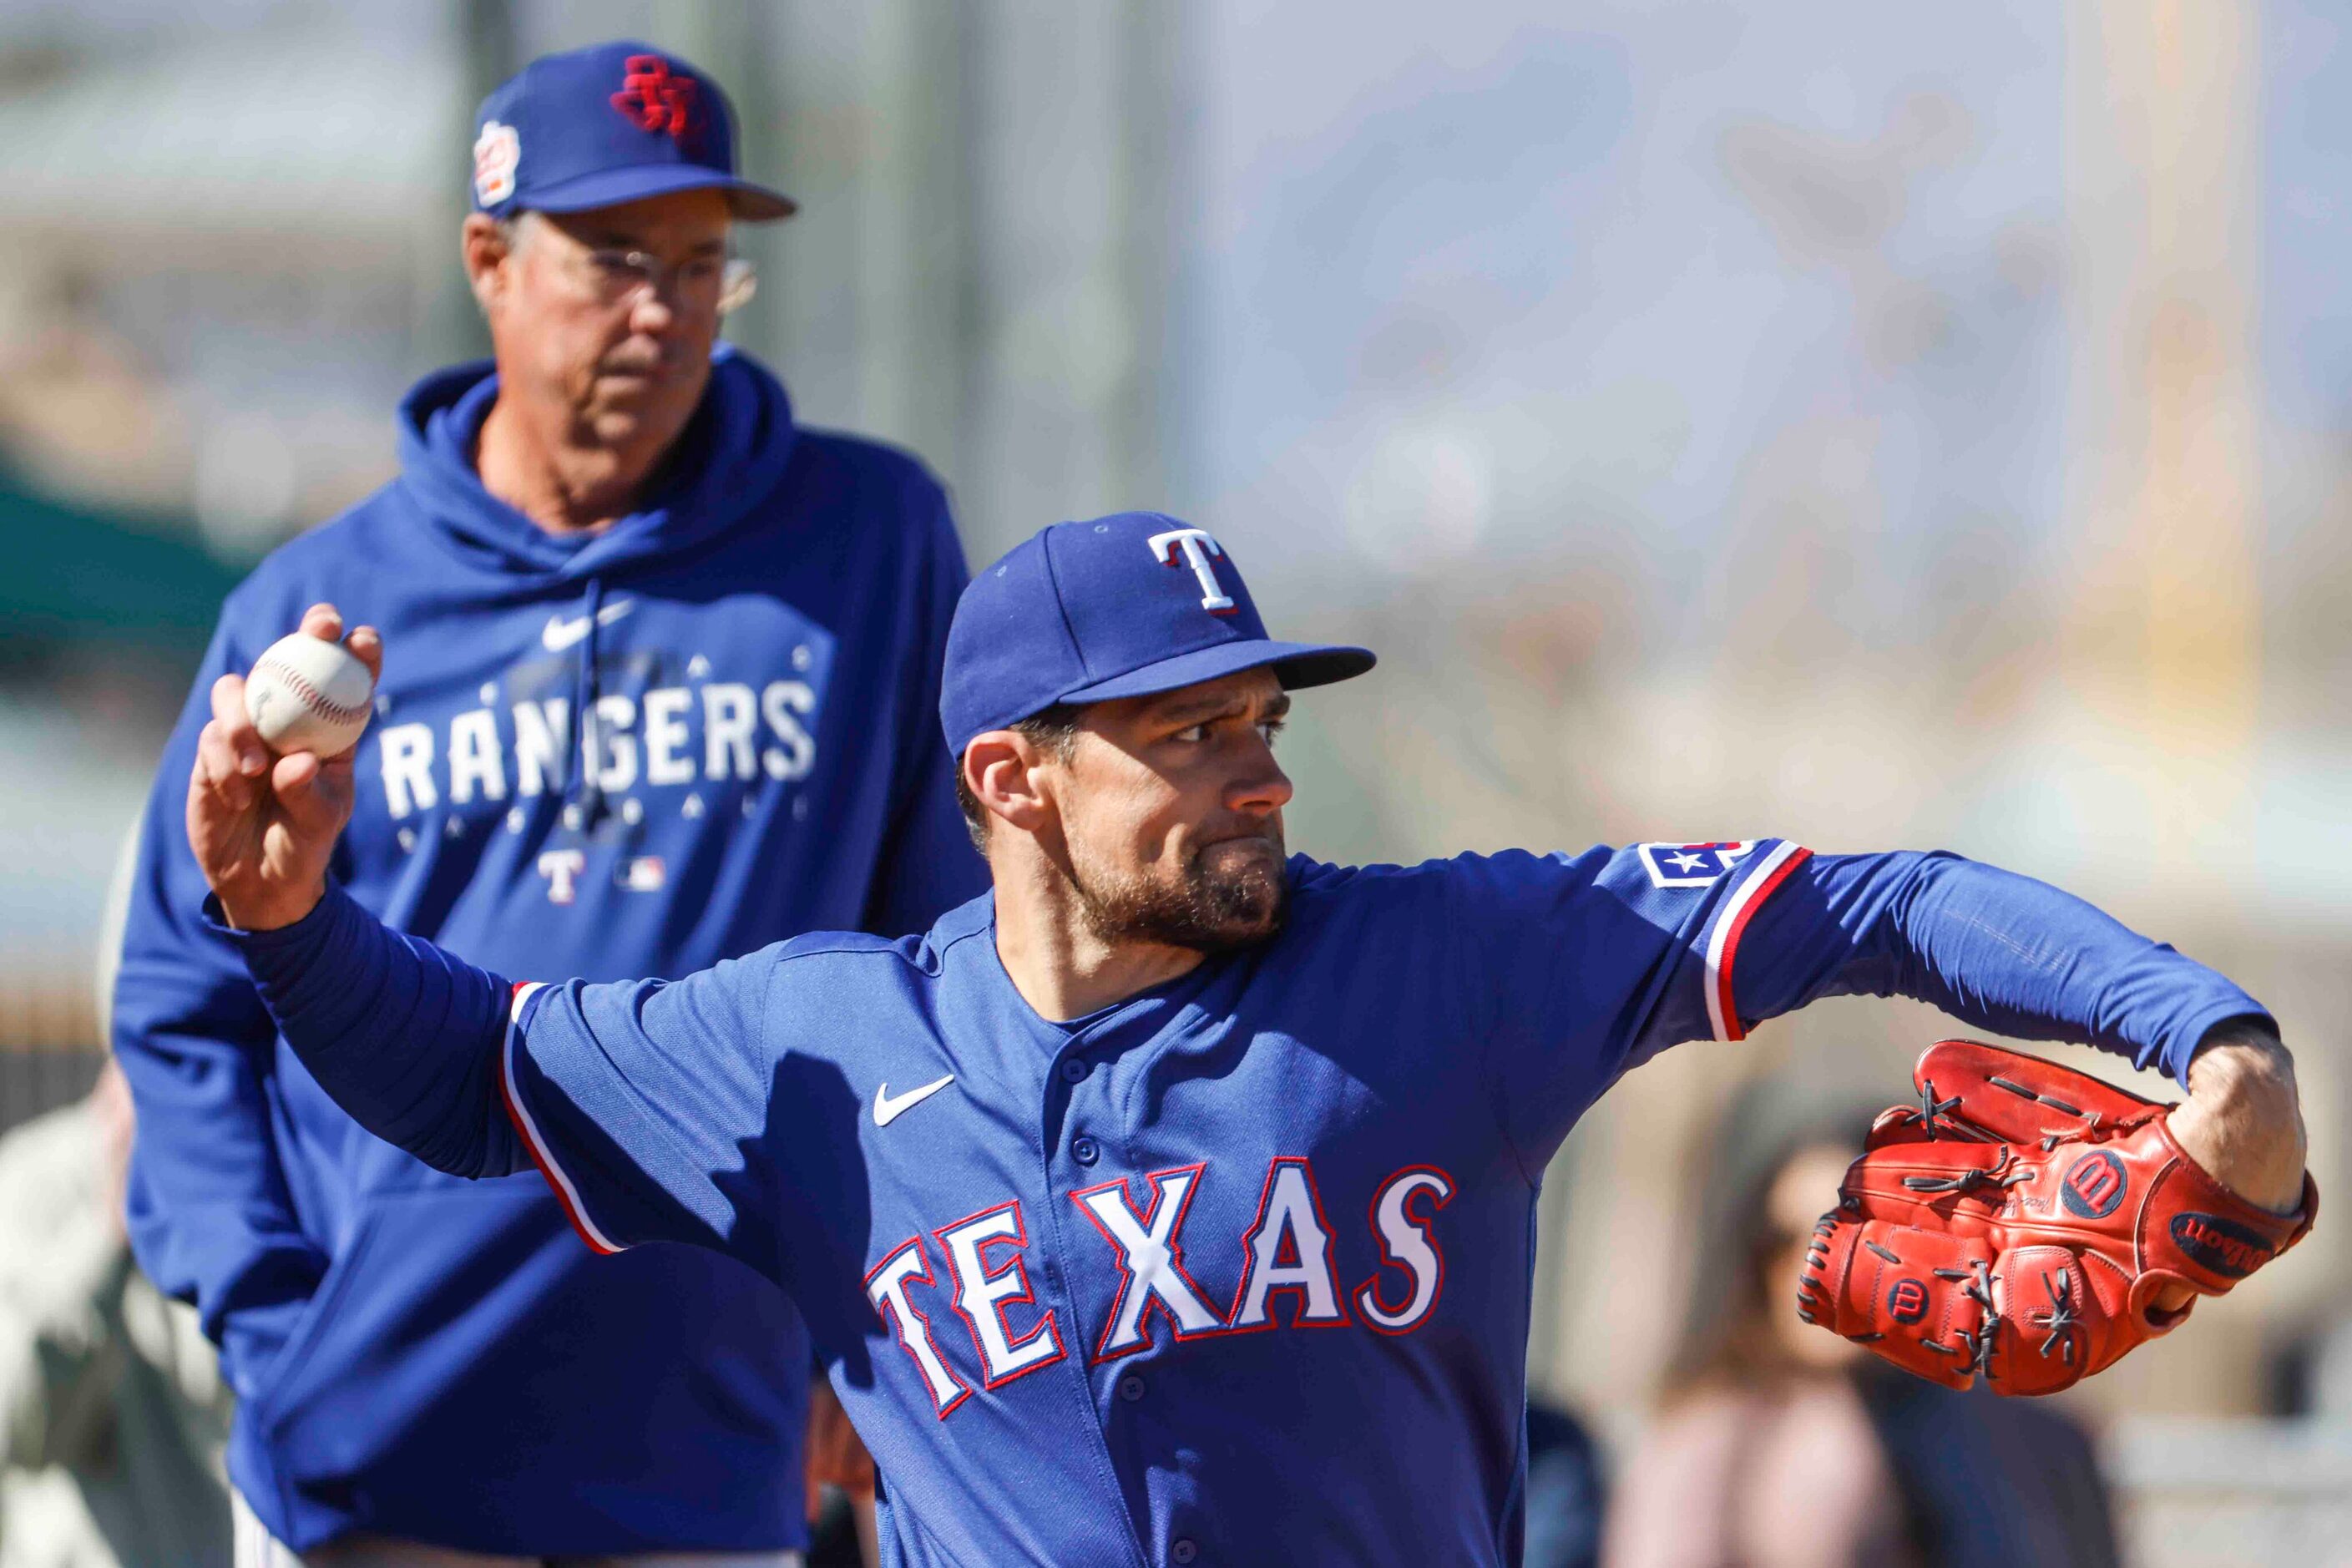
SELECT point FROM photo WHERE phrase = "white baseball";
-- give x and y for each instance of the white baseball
(307, 694)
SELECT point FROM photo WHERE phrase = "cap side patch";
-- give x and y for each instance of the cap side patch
(498, 152)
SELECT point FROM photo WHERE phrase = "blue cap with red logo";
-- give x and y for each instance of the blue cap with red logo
(611, 123)
(1121, 606)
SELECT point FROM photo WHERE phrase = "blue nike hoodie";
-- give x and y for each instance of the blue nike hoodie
(708, 727)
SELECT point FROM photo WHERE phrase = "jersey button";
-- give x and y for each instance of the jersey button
(1131, 1388)
(1074, 1071)
(1085, 1150)
(1181, 1549)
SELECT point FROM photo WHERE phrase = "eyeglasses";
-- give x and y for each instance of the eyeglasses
(721, 283)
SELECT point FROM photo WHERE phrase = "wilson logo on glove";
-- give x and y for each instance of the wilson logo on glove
(2095, 1185)
(2223, 1248)
(1948, 1255)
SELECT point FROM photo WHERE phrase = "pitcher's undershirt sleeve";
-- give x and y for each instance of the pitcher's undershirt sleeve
(1997, 950)
(1579, 968)
(402, 1034)
(645, 1103)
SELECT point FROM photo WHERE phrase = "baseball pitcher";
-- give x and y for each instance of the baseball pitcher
(1175, 1203)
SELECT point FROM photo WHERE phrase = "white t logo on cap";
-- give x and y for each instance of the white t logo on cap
(1195, 546)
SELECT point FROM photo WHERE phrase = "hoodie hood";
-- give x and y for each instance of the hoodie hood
(726, 462)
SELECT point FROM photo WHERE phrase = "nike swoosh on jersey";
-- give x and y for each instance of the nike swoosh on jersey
(887, 1110)
(561, 634)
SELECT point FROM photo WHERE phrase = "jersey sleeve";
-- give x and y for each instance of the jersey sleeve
(646, 1104)
(1582, 969)
(1579, 968)
(1995, 949)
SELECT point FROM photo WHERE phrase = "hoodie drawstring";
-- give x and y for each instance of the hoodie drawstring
(587, 787)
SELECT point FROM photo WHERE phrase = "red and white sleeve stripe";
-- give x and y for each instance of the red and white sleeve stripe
(1731, 923)
(540, 1155)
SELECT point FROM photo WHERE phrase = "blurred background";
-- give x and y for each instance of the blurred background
(1882, 427)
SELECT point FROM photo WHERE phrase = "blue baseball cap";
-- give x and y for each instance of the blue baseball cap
(611, 123)
(1123, 606)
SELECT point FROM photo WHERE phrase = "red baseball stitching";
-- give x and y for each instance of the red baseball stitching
(309, 693)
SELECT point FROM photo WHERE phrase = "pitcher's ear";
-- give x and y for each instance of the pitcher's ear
(1000, 770)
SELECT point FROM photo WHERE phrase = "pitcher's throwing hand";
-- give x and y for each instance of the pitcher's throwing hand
(263, 827)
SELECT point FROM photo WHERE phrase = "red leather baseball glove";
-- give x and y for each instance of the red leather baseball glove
(2020, 1222)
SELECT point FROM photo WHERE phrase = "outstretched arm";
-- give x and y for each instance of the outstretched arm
(640, 1100)
(402, 1034)
(2007, 953)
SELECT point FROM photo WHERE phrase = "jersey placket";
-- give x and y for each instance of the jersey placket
(1084, 1139)
(1089, 1140)
(1081, 1134)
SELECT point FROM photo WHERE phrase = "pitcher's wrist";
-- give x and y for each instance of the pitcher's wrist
(274, 912)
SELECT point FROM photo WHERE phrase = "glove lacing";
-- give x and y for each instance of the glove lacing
(2062, 1317)
(1978, 1281)
(1930, 1107)
(2000, 1175)
(2095, 1126)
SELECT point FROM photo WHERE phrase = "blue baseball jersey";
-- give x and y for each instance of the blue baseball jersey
(1240, 1269)
(1236, 1270)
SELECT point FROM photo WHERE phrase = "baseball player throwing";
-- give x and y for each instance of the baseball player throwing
(1175, 1203)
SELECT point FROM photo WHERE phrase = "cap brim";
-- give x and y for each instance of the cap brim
(612, 187)
(1296, 665)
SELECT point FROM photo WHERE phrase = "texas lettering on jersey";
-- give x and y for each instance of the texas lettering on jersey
(1285, 1275)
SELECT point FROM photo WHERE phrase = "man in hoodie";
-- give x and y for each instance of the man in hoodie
(665, 692)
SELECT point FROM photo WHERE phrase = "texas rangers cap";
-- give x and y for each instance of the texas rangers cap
(1123, 606)
(610, 123)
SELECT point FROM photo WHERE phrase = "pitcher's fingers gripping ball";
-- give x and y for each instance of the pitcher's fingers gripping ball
(2023, 1220)
(309, 693)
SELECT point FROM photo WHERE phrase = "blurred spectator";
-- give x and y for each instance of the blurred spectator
(843, 1532)
(1564, 1492)
(112, 1413)
(2309, 1373)
(1777, 1444)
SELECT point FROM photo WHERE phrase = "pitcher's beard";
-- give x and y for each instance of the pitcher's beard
(1208, 910)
